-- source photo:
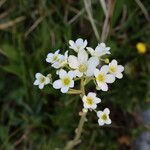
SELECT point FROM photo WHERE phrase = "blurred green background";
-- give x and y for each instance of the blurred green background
(33, 119)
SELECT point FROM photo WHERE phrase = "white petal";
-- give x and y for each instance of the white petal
(110, 78)
(85, 105)
(38, 75)
(41, 86)
(71, 42)
(47, 80)
(108, 121)
(96, 72)
(102, 44)
(97, 100)
(62, 73)
(91, 94)
(99, 113)
(49, 60)
(50, 55)
(107, 111)
(72, 84)
(84, 44)
(90, 71)
(90, 50)
(73, 62)
(98, 88)
(56, 65)
(84, 98)
(113, 62)
(94, 106)
(104, 69)
(119, 75)
(78, 73)
(64, 89)
(104, 87)
(74, 48)
(82, 56)
(66, 54)
(92, 63)
(79, 41)
(100, 122)
(107, 49)
(98, 49)
(36, 82)
(72, 74)
(120, 68)
(57, 84)
(57, 51)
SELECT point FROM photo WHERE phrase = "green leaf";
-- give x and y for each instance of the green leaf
(13, 68)
(10, 52)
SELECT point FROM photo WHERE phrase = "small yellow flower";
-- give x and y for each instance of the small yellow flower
(141, 48)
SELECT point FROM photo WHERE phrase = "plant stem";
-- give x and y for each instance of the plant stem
(77, 139)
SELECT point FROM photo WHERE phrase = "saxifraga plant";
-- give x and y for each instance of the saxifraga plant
(86, 65)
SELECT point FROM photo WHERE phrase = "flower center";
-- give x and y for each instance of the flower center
(82, 68)
(100, 78)
(66, 81)
(42, 79)
(63, 62)
(89, 100)
(55, 58)
(112, 69)
(78, 46)
(104, 117)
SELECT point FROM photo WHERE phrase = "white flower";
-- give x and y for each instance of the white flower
(65, 82)
(99, 51)
(41, 80)
(102, 78)
(62, 61)
(90, 101)
(82, 64)
(78, 45)
(104, 117)
(116, 69)
(53, 57)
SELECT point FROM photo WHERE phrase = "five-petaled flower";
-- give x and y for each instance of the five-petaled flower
(83, 65)
(99, 51)
(52, 58)
(102, 78)
(78, 45)
(41, 80)
(104, 117)
(65, 82)
(116, 69)
(90, 101)
(62, 61)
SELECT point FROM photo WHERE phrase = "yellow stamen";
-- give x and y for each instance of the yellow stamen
(55, 58)
(112, 69)
(82, 68)
(66, 81)
(104, 117)
(89, 100)
(100, 78)
(42, 79)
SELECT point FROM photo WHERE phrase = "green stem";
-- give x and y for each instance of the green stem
(71, 144)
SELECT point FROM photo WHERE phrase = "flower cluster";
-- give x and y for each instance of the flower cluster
(85, 64)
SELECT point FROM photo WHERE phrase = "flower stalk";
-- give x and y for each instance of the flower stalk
(78, 131)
